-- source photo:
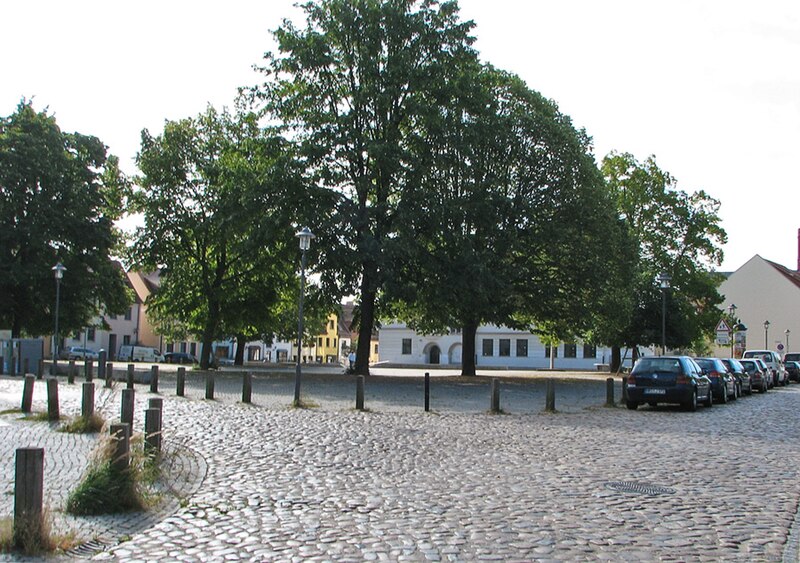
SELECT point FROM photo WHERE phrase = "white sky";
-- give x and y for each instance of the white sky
(712, 88)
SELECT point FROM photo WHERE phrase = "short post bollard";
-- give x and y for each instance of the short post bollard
(360, 393)
(27, 393)
(156, 404)
(130, 376)
(121, 435)
(154, 379)
(550, 400)
(126, 410)
(12, 369)
(29, 496)
(624, 398)
(494, 403)
(88, 367)
(101, 364)
(52, 399)
(109, 375)
(39, 368)
(151, 431)
(180, 385)
(610, 392)
(87, 403)
(71, 372)
(209, 385)
(427, 392)
(247, 387)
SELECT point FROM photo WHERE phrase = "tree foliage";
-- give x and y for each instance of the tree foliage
(352, 86)
(60, 194)
(219, 196)
(675, 232)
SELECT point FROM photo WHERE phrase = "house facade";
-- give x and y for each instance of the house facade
(495, 346)
(762, 291)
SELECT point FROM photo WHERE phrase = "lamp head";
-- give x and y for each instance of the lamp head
(305, 235)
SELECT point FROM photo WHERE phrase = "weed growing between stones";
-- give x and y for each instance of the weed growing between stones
(84, 425)
(106, 489)
(34, 538)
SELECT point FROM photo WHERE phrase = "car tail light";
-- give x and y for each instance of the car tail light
(682, 380)
(631, 379)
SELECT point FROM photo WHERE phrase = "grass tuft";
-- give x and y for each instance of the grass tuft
(34, 537)
(84, 425)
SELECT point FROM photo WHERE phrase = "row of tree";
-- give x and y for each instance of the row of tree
(443, 192)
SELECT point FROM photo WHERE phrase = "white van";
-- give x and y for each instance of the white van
(773, 362)
(139, 354)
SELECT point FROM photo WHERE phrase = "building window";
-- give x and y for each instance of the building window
(126, 340)
(589, 351)
(376, 350)
(129, 313)
(505, 347)
(171, 347)
(330, 325)
(327, 342)
(193, 348)
(547, 351)
(406, 346)
(570, 350)
(522, 348)
(488, 347)
(334, 343)
(183, 347)
(90, 334)
(319, 342)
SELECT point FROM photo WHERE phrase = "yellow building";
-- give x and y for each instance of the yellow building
(327, 349)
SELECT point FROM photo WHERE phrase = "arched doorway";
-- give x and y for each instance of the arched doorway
(455, 354)
(434, 355)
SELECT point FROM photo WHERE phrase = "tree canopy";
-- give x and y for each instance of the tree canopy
(60, 194)
(220, 196)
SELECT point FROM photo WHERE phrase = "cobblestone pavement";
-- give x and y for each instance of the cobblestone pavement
(264, 482)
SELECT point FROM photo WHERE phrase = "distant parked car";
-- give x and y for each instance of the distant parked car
(793, 370)
(128, 353)
(179, 358)
(773, 362)
(722, 382)
(668, 379)
(78, 353)
(742, 377)
(759, 378)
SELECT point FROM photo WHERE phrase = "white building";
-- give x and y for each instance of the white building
(495, 347)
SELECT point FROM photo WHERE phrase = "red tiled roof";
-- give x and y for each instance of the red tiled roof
(791, 275)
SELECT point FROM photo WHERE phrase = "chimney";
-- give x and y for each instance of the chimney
(798, 250)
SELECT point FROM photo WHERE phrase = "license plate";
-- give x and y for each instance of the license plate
(655, 391)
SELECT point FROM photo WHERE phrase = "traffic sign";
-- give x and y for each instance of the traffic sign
(722, 326)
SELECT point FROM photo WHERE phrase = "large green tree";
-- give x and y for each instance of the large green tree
(219, 196)
(675, 232)
(509, 224)
(60, 194)
(352, 87)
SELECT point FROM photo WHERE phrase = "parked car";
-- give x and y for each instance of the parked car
(759, 378)
(792, 370)
(179, 358)
(78, 353)
(742, 377)
(722, 382)
(668, 379)
(791, 357)
(139, 354)
(773, 362)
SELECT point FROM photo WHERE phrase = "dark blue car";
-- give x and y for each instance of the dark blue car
(668, 379)
(723, 383)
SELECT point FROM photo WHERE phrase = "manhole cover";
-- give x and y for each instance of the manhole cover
(639, 488)
(88, 549)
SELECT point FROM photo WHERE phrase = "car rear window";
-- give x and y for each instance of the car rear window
(657, 365)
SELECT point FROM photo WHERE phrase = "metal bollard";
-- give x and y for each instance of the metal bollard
(624, 398)
(247, 387)
(209, 385)
(360, 393)
(427, 392)
(610, 392)
(88, 368)
(27, 393)
(101, 364)
(180, 385)
(152, 432)
(550, 401)
(109, 375)
(155, 404)
(130, 376)
(39, 368)
(71, 372)
(494, 403)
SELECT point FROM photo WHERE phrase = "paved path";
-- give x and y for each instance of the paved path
(396, 483)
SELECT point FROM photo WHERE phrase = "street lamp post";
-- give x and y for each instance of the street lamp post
(663, 280)
(58, 270)
(766, 335)
(786, 332)
(732, 314)
(305, 235)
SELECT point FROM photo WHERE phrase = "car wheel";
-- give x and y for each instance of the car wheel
(632, 405)
(724, 396)
(764, 387)
(691, 404)
(709, 399)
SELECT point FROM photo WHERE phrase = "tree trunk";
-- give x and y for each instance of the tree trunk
(468, 345)
(616, 359)
(241, 342)
(365, 324)
(209, 330)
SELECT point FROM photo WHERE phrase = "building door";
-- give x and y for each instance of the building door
(435, 353)
(112, 347)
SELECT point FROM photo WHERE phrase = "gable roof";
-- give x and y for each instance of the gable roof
(791, 275)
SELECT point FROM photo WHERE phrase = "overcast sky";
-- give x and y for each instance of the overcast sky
(711, 88)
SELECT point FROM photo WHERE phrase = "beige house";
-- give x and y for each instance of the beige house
(764, 291)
